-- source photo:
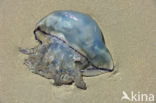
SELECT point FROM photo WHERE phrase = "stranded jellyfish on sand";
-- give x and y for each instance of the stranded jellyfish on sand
(71, 46)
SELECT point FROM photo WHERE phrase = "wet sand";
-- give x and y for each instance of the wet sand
(129, 28)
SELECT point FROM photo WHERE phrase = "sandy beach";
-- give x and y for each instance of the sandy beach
(129, 29)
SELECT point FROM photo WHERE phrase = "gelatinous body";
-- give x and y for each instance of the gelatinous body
(71, 46)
